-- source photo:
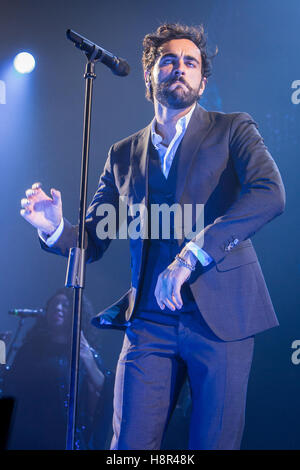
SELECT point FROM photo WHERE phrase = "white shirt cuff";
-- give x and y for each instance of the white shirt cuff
(55, 235)
(202, 256)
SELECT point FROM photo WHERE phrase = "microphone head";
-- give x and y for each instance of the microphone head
(26, 312)
(121, 68)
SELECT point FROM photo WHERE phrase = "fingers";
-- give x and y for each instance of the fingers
(157, 293)
(163, 302)
(25, 212)
(35, 192)
(33, 195)
(56, 196)
(169, 304)
(176, 296)
(167, 295)
(27, 203)
(30, 192)
(24, 203)
(42, 211)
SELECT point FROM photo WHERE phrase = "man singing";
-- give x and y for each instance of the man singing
(194, 305)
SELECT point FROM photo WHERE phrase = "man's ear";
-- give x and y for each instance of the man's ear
(203, 85)
(147, 78)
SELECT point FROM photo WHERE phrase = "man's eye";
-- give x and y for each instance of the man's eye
(191, 64)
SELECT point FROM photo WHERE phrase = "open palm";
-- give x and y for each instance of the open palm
(40, 210)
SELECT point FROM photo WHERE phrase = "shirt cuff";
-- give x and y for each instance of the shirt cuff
(55, 235)
(202, 256)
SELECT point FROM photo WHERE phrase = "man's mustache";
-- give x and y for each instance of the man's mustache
(170, 81)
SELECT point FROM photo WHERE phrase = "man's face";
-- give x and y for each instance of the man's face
(176, 77)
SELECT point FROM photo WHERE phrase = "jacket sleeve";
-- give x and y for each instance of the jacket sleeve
(262, 195)
(105, 196)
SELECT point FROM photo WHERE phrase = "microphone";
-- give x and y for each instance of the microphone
(26, 312)
(117, 65)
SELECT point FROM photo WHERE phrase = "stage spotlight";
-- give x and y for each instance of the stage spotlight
(24, 62)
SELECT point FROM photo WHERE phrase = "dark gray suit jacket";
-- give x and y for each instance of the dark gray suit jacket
(223, 164)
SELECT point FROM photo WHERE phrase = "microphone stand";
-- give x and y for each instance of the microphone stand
(76, 263)
(75, 275)
(12, 346)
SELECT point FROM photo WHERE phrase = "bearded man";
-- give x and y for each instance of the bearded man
(194, 305)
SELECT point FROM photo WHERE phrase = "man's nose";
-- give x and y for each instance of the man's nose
(178, 72)
(179, 68)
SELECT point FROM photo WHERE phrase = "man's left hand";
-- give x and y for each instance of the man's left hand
(168, 286)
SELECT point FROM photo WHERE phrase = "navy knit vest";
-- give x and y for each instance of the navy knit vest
(160, 252)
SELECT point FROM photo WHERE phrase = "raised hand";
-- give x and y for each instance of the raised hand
(40, 210)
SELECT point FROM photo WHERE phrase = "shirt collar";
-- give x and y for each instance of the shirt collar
(181, 126)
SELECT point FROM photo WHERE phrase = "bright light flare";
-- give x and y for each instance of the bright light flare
(24, 62)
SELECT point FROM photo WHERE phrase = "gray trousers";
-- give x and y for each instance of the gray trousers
(152, 366)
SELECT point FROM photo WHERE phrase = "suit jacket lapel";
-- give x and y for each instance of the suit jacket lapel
(139, 163)
(195, 134)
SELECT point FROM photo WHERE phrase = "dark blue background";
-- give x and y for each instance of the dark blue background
(40, 140)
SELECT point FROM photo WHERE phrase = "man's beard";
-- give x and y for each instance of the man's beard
(178, 98)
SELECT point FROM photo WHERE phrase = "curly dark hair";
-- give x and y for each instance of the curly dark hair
(168, 31)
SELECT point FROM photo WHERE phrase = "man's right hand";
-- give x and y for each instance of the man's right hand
(40, 210)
